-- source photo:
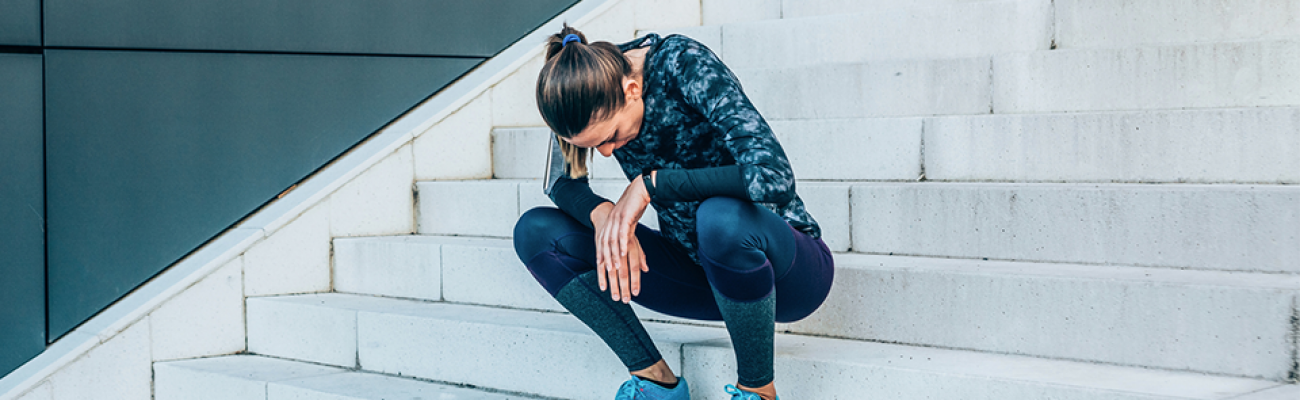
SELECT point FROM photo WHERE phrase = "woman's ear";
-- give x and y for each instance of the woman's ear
(631, 89)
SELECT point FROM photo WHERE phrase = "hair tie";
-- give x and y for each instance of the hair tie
(570, 38)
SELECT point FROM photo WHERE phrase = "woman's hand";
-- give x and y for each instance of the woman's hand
(619, 257)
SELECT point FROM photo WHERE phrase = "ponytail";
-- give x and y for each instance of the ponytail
(580, 82)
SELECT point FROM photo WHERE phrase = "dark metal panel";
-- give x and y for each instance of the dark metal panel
(151, 154)
(478, 28)
(20, 22)
(22, 211)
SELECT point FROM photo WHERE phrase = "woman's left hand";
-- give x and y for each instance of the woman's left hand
(613, 242)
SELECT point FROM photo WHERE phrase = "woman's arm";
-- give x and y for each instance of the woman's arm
(574, 197)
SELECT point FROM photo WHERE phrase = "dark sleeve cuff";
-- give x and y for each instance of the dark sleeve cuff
(698, 184)
(574, 196)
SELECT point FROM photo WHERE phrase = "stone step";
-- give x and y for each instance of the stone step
(1209, 227)
(833, 149)
(498, 203)
(1213, 75)
(955, 30)
(812, 8)
(1160, 318)
(898, 88)
(1124, 23)
(554, 355)
(1242, 145)
(249, 377)
(540, 353)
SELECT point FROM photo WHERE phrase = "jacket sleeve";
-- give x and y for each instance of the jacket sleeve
(709, 86)
(574, 197)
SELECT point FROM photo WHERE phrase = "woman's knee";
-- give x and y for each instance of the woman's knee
(723, 217)
(537, 229)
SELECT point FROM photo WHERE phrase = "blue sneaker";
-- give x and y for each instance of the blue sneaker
(641, 389)
(737, 394)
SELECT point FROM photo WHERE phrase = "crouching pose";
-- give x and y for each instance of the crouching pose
(735, 243)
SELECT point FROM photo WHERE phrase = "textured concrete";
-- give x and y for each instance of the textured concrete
(119, 368)
(519, 153)
(1234, 74)
(42, 392)
(458, 147)
(1221, 227)
(205, 320)
(380, 201)
(852, 149)
(396, 266)
(667, 14)
(362, 386)
(889, 33)
(228, 378)
(1124, 23)
(1282, 392)
(1226, 323)
(1204, 146)
(817, 368)
(484, 208)
(487, 271)
(812, 8)
(717, 12)
(874, 89)
(514, 99)
(709, 36)
(504, 349)
(298, 328)
(294, 259)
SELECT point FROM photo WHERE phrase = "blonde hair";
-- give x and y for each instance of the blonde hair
(579, 83)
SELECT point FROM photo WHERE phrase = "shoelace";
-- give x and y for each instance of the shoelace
(630, 388)
(737, 394)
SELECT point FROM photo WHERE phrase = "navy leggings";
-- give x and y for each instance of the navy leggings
(746, 253)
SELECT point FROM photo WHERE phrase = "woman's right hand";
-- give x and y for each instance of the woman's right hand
(619, 257)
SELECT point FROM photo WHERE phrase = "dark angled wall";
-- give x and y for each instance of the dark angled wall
(166, 121)
(22, 211)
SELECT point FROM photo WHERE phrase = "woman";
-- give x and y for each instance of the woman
(735, 244)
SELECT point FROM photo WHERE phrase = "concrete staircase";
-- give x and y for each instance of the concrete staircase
(1028, 199)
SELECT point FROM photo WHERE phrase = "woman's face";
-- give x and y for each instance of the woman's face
(618, 129)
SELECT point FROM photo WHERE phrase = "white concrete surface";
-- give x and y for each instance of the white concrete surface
(709, 36)
(1231, 74)
(852, 149)
(1239, 145)
(395, 266)
(459, 146)
(117, 369)
(520, 153)
(504, 349)
(1218, 227)
(1121, 23)
(294, 259)
(242, 377)
(299, 328)
(667, 14)
(890, 33)
(513, 100)
(205, 320)
(42, 392)
(378, 202)
(483, 208)
(1282, 392)
(363, 386)
(718, 12)
(1225, 323)
(874, 89)
(819, 368)
(487, 271)
(812, 8)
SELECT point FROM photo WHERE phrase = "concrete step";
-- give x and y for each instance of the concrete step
(547, 354)
(1210, 227)
(554, 355)
(955, 30)
(834, 149)
(812, 8)
(901, 88)
(496, 205)
(1242, 145)
(1123, 23)
(1214, 75)
(248, 377)
(1160, 318)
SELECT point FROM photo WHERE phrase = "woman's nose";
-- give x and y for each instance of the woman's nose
(606, 149)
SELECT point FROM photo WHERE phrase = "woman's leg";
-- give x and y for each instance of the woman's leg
(761, 271)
